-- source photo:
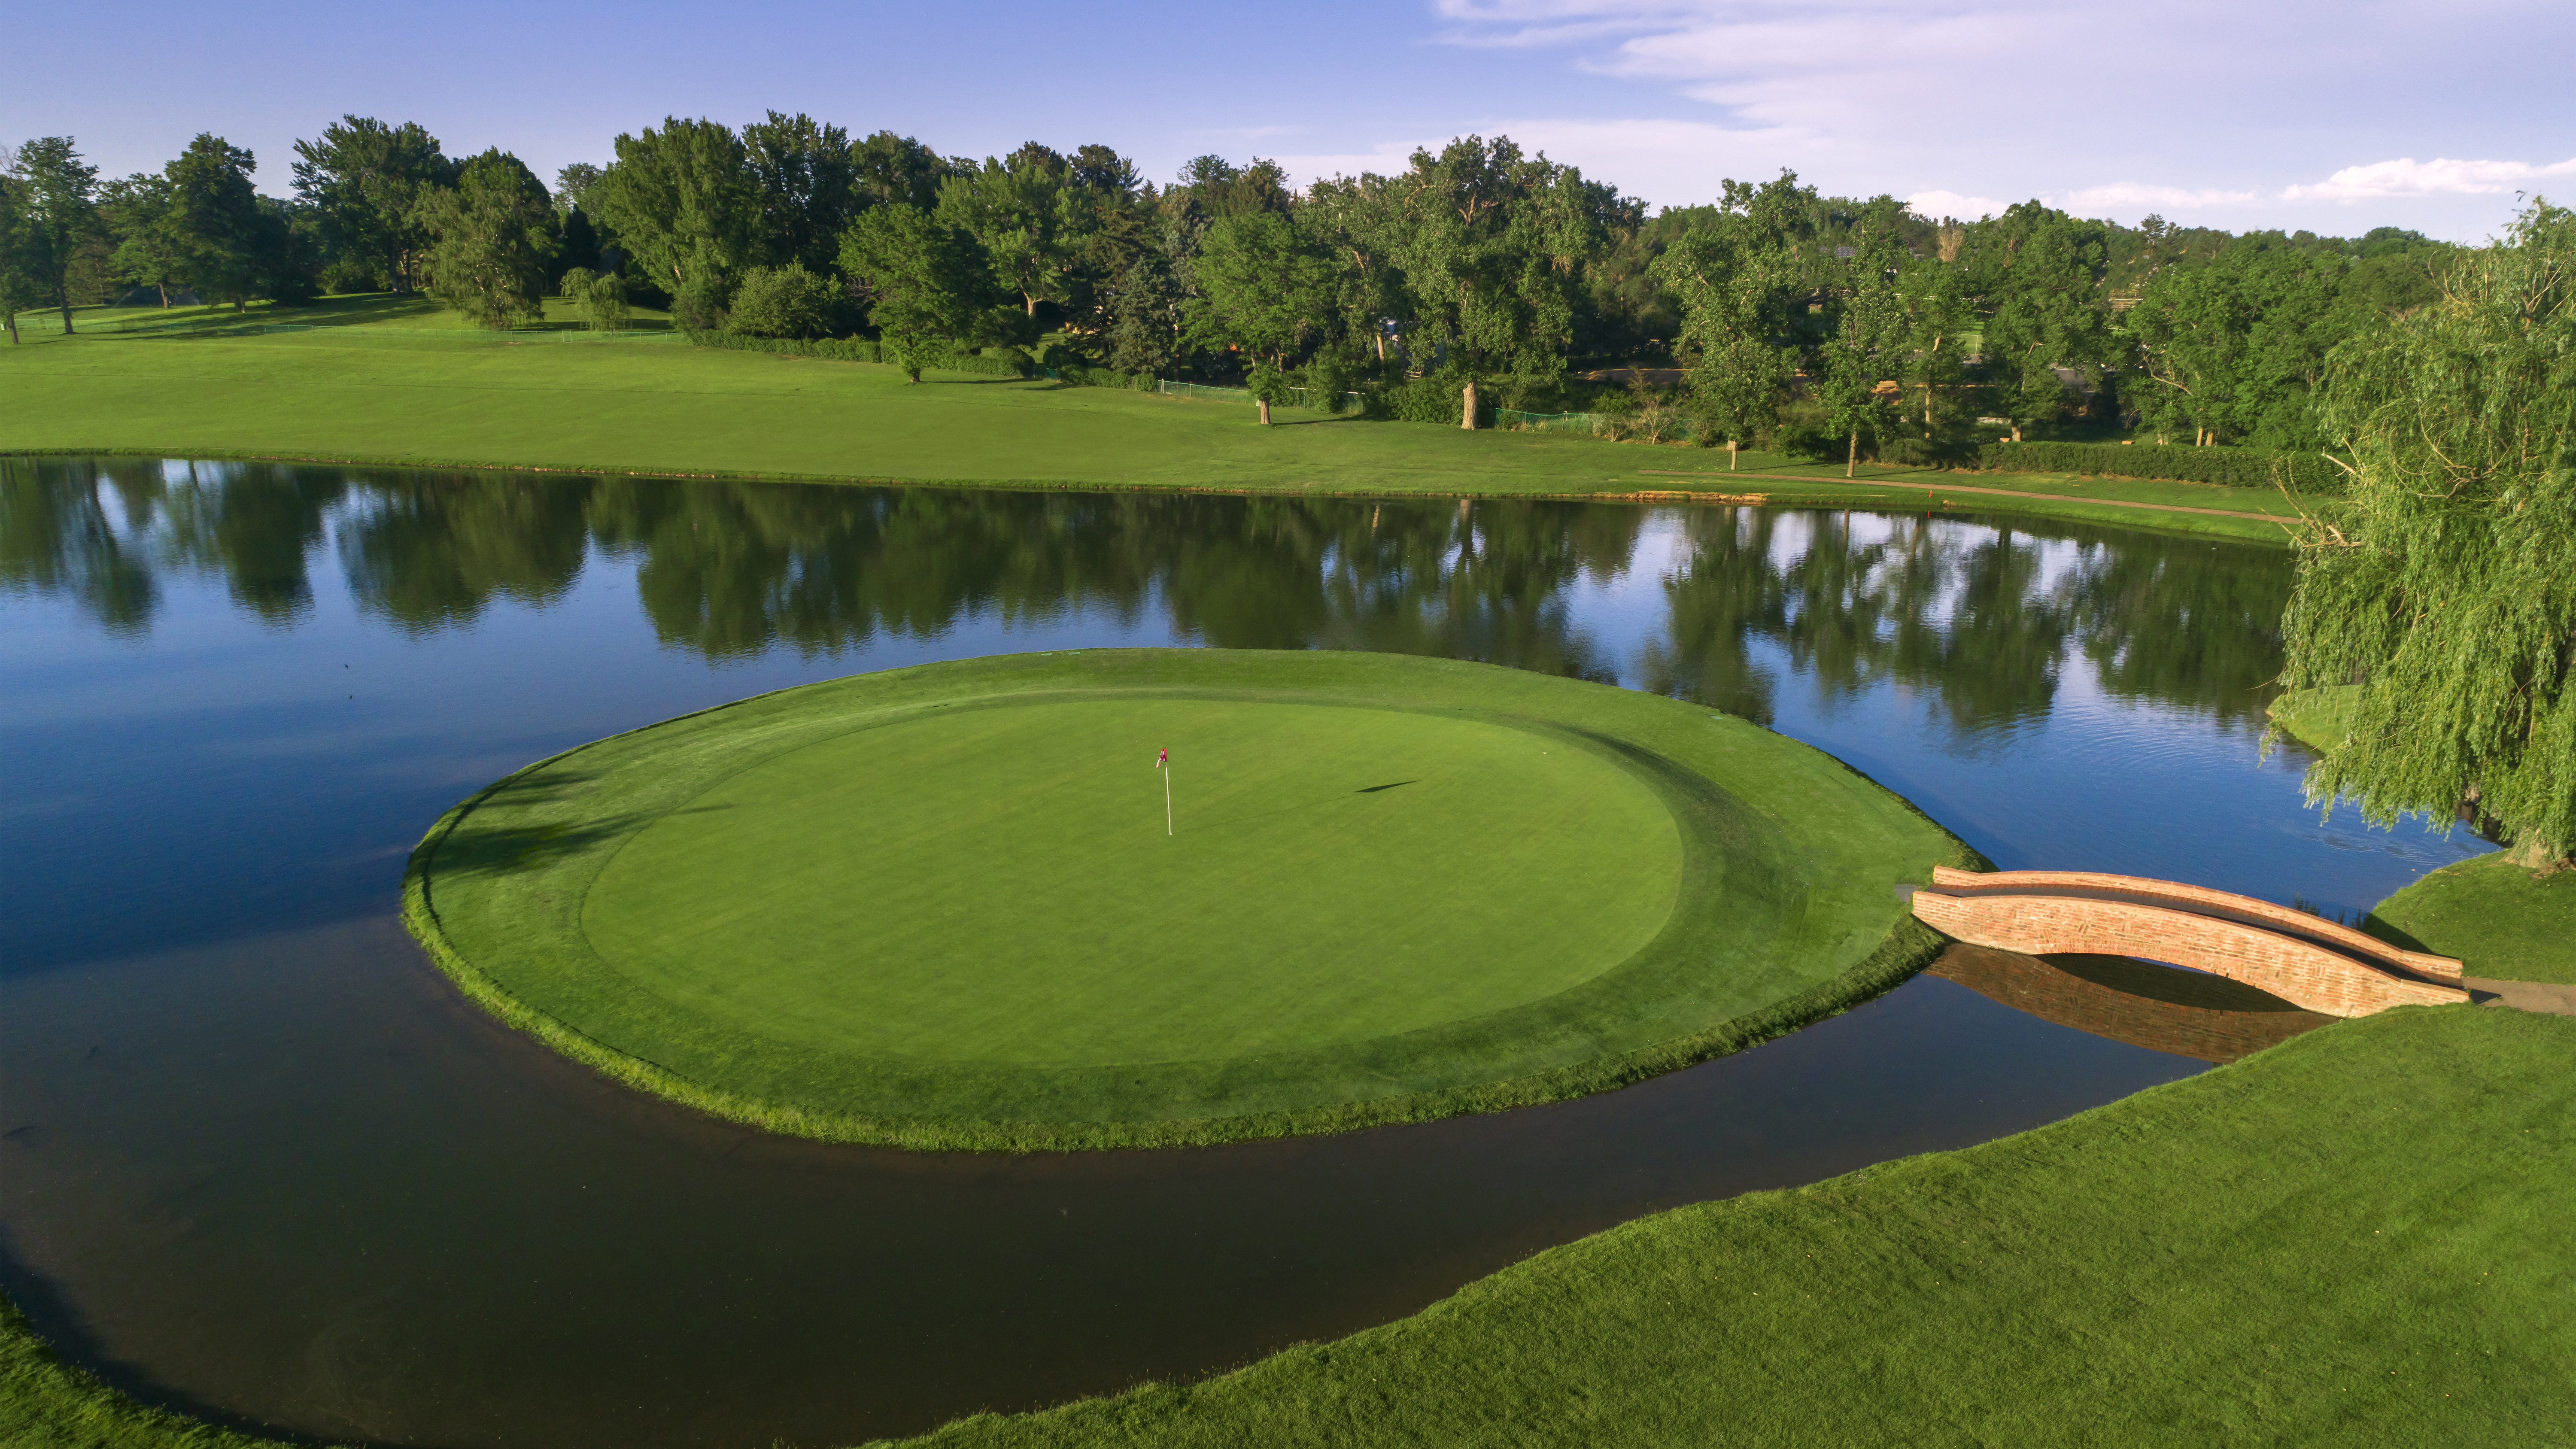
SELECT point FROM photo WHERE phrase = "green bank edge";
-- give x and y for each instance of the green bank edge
(1822, 492)
(1905, 951)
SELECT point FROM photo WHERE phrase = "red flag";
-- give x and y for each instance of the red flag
(1162, 758)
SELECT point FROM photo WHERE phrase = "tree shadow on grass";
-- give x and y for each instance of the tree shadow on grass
(477, 848)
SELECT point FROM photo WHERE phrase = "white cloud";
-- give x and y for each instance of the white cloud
(2410, 177)
(2130, 195)
(1961, 100)
(1937, 204)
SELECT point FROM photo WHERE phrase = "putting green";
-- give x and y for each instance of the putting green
(943, 907)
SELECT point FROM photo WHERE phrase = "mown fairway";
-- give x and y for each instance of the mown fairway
(392, 394)
(937, 906)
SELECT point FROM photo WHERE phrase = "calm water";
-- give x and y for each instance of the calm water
(257, 1160)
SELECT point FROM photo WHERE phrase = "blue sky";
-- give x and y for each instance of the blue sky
(2234, 113)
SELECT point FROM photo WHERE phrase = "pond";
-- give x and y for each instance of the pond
(259, 1162)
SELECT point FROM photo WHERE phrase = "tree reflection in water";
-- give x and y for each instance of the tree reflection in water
(1975, 617)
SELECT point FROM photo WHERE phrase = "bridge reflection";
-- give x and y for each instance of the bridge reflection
(2161, 1008)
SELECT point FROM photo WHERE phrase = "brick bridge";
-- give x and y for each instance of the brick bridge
(2300, 958)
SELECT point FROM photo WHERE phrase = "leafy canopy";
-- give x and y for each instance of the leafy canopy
(2446, 585)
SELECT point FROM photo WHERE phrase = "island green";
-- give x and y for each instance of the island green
(946, 906)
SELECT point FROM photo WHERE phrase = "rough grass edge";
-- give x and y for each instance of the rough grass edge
(1905, 951)
(52, 1395)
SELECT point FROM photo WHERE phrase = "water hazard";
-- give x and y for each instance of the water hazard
(258, 1161)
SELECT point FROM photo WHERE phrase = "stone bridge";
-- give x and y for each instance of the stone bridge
(2302, 959)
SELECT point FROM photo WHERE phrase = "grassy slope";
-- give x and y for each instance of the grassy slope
(45, 1404)
(370, 393)
(1785, 914)
(2317, 718)
(2358, 1237)
(2499, 919)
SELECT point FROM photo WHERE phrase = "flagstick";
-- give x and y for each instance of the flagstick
(1167, 799)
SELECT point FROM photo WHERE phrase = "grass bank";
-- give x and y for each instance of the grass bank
(2317, 718)
(937, 907)
(2354, 1238)
(400, 391)
(2357, 1237)
(47, 1404)
(2501, 920)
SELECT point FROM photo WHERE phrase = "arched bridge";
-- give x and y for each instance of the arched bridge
(2295, 956)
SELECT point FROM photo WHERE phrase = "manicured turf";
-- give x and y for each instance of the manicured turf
(937, 906)
(2358, 1238)
(997, 885)
(396, 394)
(2501, 920)
(2317, 718)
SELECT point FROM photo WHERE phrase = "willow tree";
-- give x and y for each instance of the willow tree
(2445, 586)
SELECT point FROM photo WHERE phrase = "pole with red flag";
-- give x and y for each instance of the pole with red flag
(1163, 762)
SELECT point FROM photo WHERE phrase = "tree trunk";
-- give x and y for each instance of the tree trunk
(164, 289)
(1030, 302)
(1730, 455)
(1851, 464)
(1264, 404)
(1381, 347)
(64, 295)
(11, 322)
(1469, 421)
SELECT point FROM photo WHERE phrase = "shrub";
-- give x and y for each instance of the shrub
(2233, 467)
(786, 301)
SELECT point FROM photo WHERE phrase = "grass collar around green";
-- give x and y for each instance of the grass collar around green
(937, 907)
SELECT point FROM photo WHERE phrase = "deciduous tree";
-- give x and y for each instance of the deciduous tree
(2446, 586)
(684, 202)
(1743, 279)
(58, 207)
(367, 181)
(495, 231)
(225, 244)
(924, 280)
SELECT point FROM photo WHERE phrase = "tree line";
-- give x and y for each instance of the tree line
(1806, 321)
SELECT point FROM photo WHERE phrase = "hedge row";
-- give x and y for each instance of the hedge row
(2234, 467)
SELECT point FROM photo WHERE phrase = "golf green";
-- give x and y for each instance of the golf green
(961, 905)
